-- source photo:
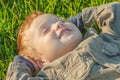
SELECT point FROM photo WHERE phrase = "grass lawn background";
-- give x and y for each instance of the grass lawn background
(13, 12)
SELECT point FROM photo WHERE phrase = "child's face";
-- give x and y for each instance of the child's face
(52, 37)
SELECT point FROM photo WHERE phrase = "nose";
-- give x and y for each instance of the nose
(57, 25)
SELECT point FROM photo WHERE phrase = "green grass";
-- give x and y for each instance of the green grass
(13, 12)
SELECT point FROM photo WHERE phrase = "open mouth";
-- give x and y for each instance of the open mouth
(64, 31)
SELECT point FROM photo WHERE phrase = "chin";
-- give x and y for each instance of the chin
(73, 44)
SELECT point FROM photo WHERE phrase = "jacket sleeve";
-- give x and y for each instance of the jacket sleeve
(20, 71)
(106, 17)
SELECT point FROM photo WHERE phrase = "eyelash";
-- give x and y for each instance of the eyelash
(45, 31)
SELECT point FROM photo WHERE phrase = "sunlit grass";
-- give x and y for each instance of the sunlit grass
(13, 12)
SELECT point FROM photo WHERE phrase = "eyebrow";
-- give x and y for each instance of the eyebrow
(42, 25)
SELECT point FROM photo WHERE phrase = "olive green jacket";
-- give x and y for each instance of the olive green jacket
(96, 58)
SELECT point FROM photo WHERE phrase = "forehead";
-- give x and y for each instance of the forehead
(47, 18)
(44, 19)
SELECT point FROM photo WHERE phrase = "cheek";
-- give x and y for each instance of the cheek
(78, 33)
(52, 50)
(50, 45)
(51, 41)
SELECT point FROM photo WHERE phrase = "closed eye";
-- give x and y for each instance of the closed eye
(45, 31)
